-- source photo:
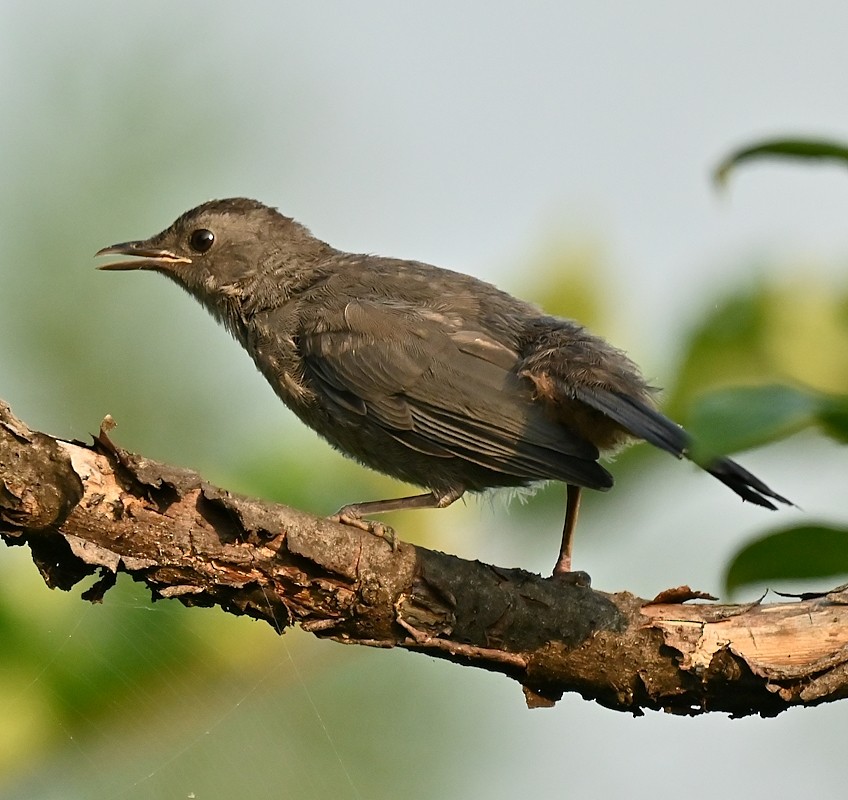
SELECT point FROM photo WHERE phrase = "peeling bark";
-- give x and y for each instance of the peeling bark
(86, 509)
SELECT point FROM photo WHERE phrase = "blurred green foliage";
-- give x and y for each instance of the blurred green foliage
(762, 364)
(793, 333)
(796, 334)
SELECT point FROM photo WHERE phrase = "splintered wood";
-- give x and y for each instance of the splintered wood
(783, 643)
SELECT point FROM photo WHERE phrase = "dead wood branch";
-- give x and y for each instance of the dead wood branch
(93, 509)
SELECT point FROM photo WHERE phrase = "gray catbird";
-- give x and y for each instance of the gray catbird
(427, 375)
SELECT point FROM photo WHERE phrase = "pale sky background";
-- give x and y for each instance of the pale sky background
(470, 135)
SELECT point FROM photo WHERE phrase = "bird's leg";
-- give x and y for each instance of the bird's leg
(353, 514)
(572, 507)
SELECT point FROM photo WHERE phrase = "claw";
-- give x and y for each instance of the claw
(380, 529)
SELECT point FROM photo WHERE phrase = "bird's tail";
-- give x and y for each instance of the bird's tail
(647, 423)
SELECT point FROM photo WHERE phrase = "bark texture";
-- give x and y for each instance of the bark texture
(94, 509)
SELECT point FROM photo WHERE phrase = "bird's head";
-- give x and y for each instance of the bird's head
(221, 249)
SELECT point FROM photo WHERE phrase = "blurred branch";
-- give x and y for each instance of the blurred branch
(96, 509)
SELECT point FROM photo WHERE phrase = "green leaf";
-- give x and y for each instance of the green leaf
(803, 552)
(730, 420)
(833, 417)
(740, 418)
(780, 148)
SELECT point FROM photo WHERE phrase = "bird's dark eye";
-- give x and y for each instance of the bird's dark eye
(201, 240)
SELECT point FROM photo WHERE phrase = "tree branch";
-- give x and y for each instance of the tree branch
(86, 509)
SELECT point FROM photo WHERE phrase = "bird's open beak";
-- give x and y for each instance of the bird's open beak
(143, 257)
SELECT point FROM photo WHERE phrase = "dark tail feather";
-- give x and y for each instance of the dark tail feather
(646, 423)
(749, 487)
(634, 416)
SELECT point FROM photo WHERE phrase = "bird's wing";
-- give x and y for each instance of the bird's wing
(443, 390)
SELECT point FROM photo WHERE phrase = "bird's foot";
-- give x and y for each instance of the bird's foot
(576, 578)
(345, 517)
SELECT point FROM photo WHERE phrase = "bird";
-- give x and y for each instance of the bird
(428, 375)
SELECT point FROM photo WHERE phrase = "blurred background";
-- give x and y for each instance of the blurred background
(563, 151)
